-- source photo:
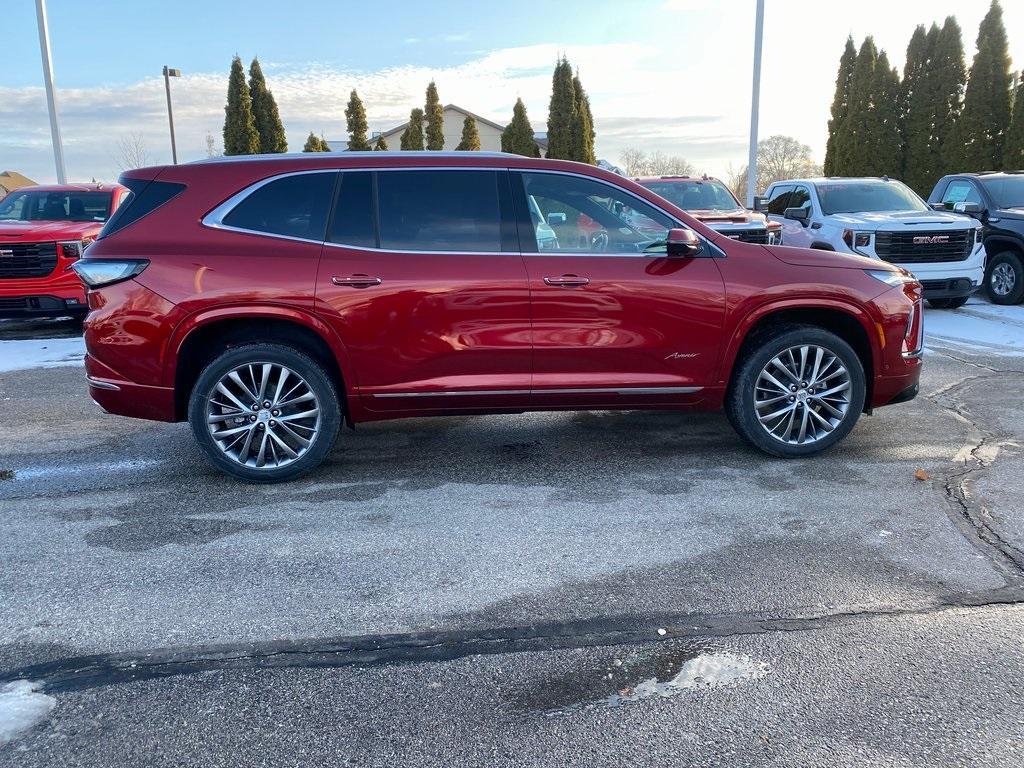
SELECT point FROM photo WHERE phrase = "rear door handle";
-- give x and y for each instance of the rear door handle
(356, 281)
(567, 281)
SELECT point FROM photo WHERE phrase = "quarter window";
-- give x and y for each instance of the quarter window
(573, 214)
(294, 206)
(778, 201)
(353, 220)
(439, 211)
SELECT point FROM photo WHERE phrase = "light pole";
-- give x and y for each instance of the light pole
(51, 97)
(168, 74)
(755, 104)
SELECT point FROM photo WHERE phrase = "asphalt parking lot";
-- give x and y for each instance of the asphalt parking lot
(590, 589)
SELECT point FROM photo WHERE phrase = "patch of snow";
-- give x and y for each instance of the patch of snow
(20, 354)
(978, 326)
(21, 707)
(34, 473)
(709, 670)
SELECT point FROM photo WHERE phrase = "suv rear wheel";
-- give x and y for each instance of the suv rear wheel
(1004, 278)
(264, 413)
(799, 391)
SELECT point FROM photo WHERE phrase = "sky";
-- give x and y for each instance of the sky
(662, 75)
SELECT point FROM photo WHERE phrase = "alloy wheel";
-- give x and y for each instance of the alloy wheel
(263, 415)
(802, 394)
(1003, 279)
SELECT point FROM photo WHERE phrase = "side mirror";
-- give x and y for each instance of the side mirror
(797, 214)
(761, 203)
(683, 243)
(938, 206)
(556, 219)
(971, 209)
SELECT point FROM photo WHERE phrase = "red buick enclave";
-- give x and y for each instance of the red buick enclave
(267, 299)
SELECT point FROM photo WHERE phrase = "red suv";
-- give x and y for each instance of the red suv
(43, 230)
(268, 299)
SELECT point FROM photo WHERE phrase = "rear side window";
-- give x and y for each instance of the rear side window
(293, 206)
(439, 211)
(778, 201)
(143, 198)
(353, 220)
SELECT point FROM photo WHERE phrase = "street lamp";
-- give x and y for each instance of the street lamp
(51, 96)
(168, 74)
(755, 104)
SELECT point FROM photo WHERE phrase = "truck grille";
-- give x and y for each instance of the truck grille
(901, 248)
(27, 259)
(747, 235)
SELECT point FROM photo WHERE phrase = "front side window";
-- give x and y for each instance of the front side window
(38, 205)
(778, 199)
(960, 191)
(695, 194)
(574, 214)
(801, 198)
(439, 211)
(868, 196)
(293, 206)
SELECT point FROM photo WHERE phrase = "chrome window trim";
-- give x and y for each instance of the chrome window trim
(215, 218)
(555, 391)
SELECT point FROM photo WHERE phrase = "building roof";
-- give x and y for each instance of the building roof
(12, 180)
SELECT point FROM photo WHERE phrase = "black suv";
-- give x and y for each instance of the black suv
(997, 201)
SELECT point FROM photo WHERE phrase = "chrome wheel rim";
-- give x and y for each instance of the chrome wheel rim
(802, 395)
(263, 415)
(1003, 279)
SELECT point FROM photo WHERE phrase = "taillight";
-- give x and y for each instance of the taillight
(73, 249)
(96, 273)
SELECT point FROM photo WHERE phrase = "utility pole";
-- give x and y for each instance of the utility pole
(168, 74)
(51, 97)
(755, 105)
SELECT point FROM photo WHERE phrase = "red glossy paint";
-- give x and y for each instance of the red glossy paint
(51, 293)
(487, 330)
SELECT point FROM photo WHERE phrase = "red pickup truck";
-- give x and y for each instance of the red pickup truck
(43, 230)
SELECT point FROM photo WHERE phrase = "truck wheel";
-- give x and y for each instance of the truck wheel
(1004, 278)
(797, 392)
(264, 413)
(956, 303)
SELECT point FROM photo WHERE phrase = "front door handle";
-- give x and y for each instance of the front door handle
(356, 281)
(567, 281)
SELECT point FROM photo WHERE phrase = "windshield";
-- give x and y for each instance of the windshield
(695, 194)
(868, 196)
(1007, 191)
(38, 205)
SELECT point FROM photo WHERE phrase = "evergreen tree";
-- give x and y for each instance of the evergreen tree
(435, 119)
(840, 103)
(883, 140)
(240, 136)
(518, 135)
(264, 112)
(986, 113)
(355, 118)
(315, 143)
(948, 76)
(380, 145)
(1013, 151)
(412, 136)
(562, 113)
(470, 136)
(920, 152)
(583, 128)
(853, 143)
(324, 146)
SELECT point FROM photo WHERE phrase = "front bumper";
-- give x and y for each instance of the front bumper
(952, 288)
(40, 306)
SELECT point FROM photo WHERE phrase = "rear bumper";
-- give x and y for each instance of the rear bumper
(114, 394)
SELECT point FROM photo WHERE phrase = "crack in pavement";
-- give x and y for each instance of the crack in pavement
(101, 670)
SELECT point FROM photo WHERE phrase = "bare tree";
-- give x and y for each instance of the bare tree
(778, 158)
(211, 146)
(637, 162)
(131, 152)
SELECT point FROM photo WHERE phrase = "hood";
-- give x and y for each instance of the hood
(45, 231)
(737, 216)
(1016, 214)
(806, 257)
(886, 220)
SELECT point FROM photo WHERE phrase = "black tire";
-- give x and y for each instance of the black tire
(948, 303)
(319, 383)
(1007, 261)
(740, 400)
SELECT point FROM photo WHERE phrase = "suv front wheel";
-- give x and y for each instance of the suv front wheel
(264, 413)
(798, 391)
(1004, 278)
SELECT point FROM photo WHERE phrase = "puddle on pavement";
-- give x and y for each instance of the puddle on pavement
(626, 678)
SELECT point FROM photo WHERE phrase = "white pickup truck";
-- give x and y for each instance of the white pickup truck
(883, 219)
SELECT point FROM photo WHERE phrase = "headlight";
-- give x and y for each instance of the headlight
(73, 249)
(979, 237)
(856, 239)
(891, 277)
(96, 273)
